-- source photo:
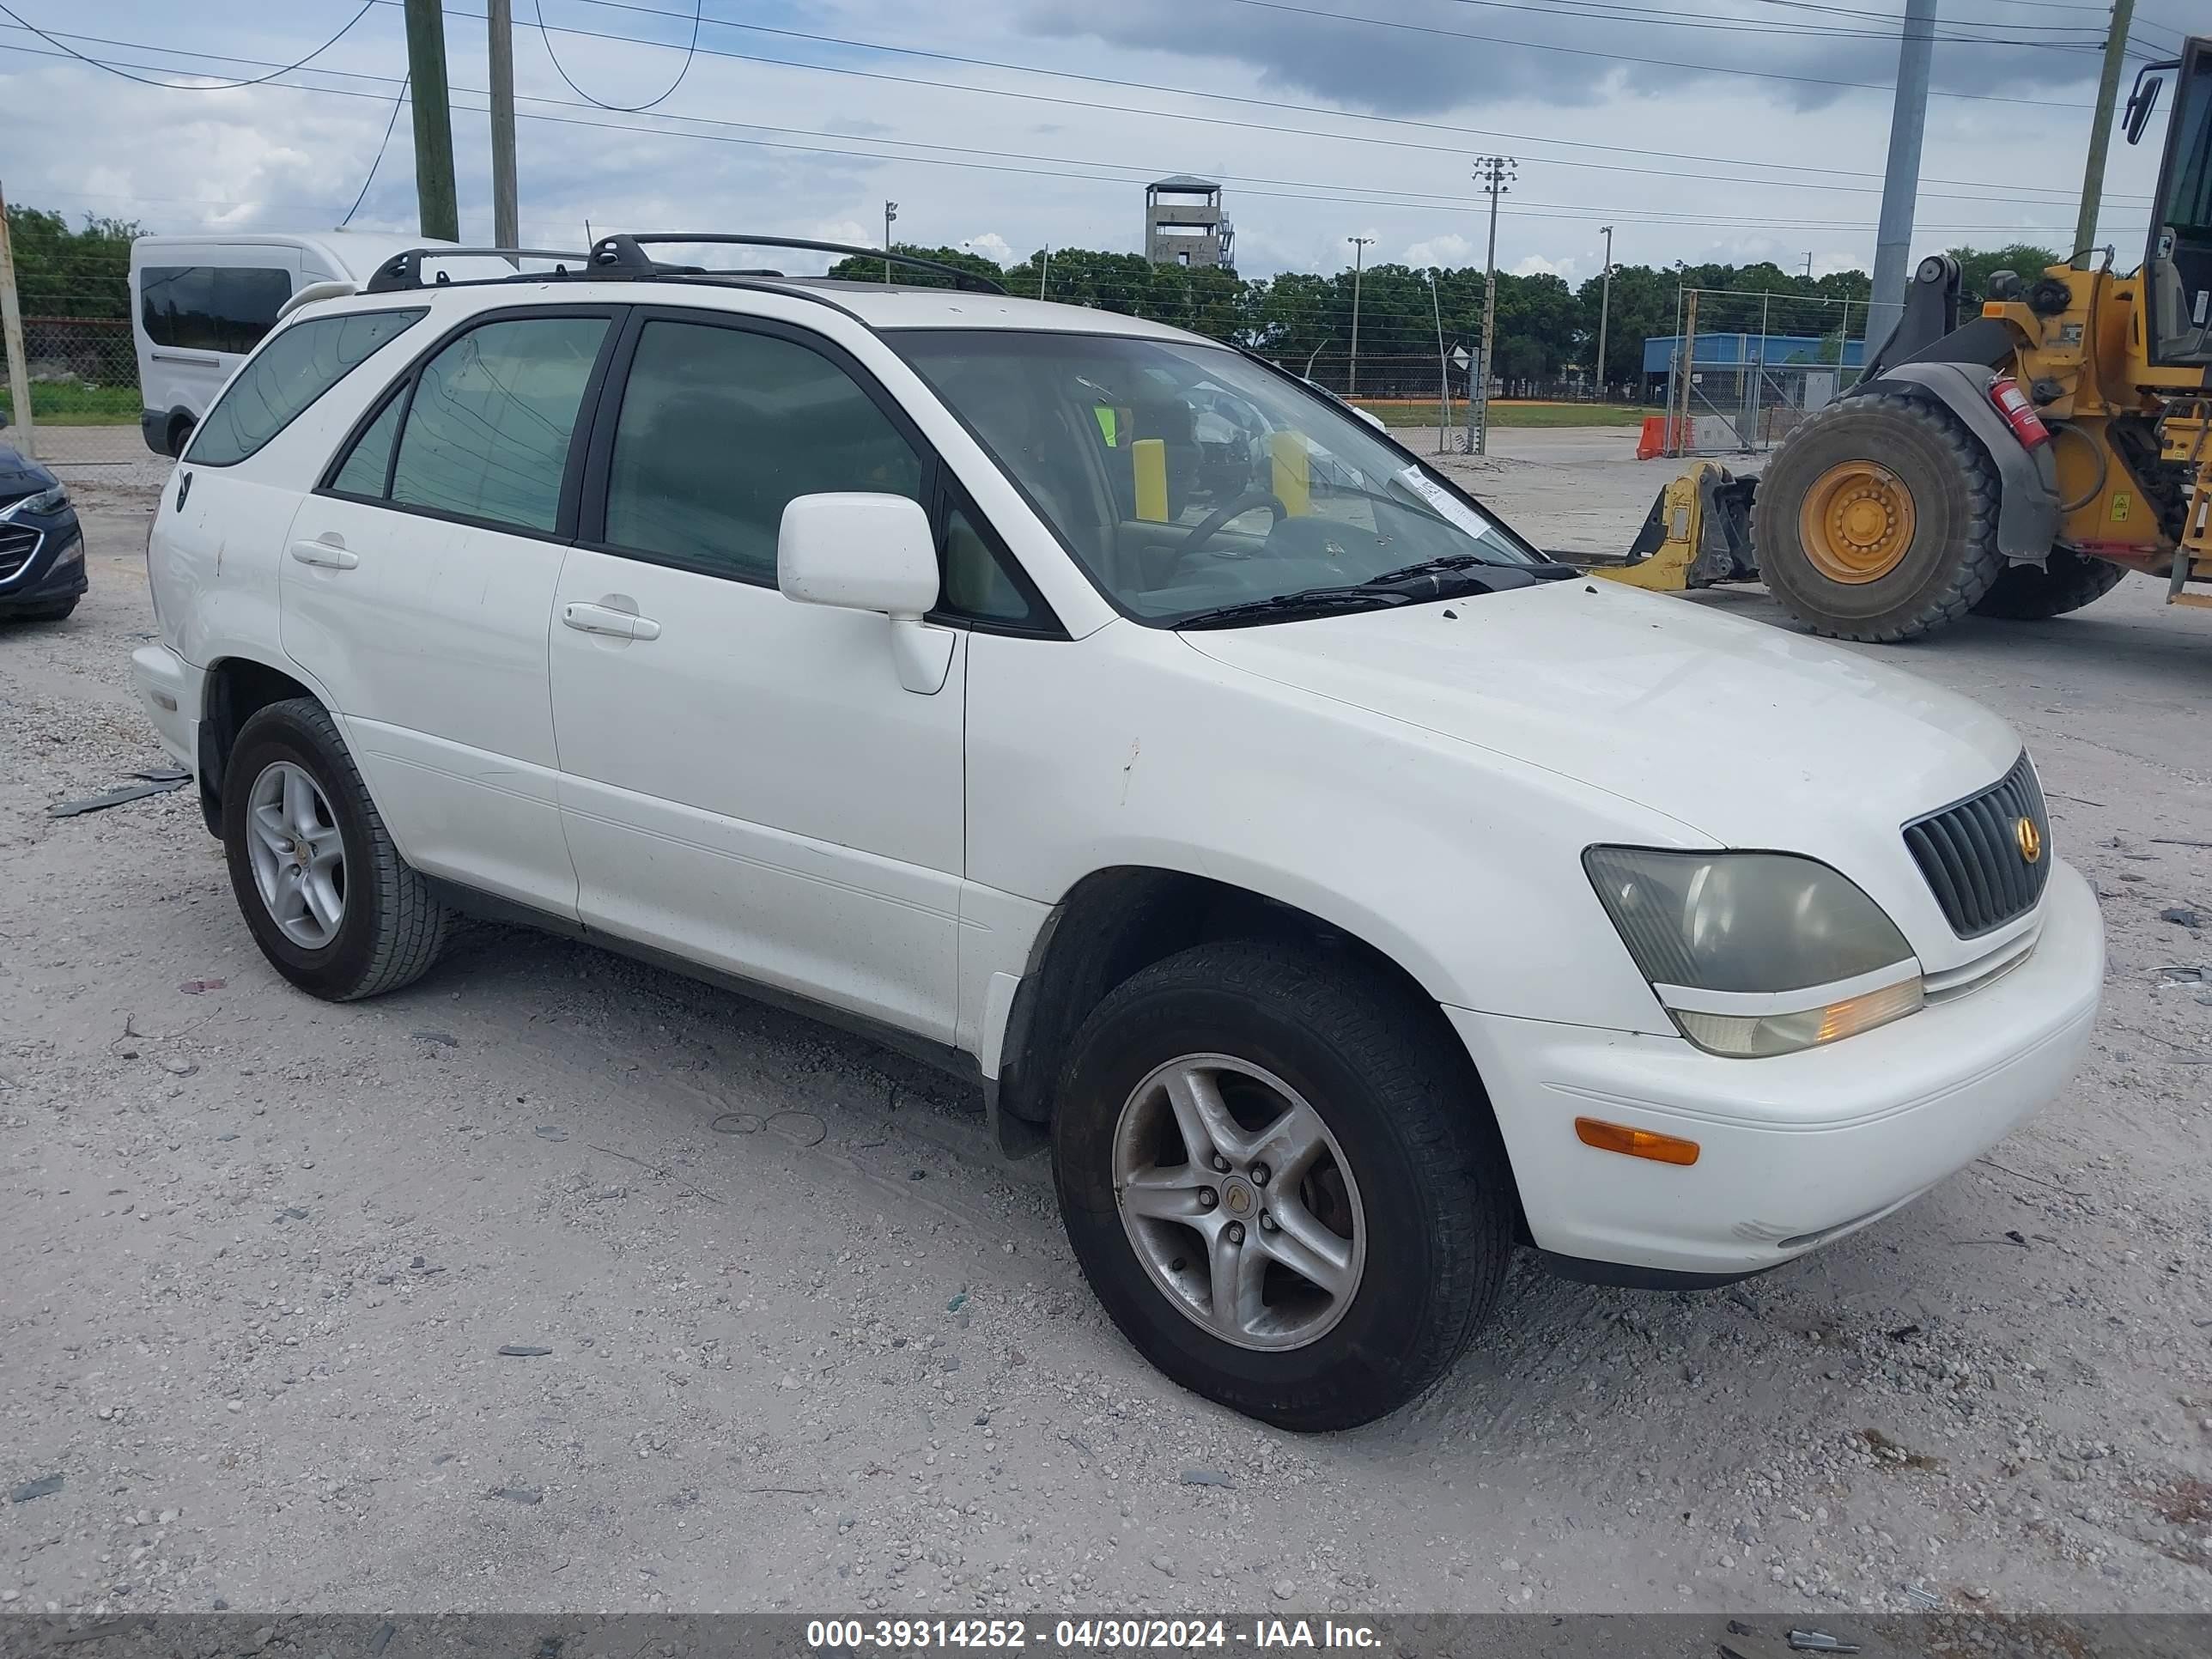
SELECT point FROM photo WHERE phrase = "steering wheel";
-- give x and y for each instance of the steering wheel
(1205, 529)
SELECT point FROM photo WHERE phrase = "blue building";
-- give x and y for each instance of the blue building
(1729, 350)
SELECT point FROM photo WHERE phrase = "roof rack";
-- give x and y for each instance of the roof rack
(625, 256)
(617, 258)
(405, 270)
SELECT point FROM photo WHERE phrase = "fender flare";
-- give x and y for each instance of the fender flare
(2028, 479)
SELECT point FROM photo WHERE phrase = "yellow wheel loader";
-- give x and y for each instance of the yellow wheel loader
(2015, 464)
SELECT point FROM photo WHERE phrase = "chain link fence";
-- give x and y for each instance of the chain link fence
(1742, 369)
(84, 369)
(1408, 379)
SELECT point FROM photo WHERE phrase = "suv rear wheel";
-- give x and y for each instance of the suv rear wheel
(329, 901)
(1281, 1182)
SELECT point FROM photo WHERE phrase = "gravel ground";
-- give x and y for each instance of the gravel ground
(555, 1282)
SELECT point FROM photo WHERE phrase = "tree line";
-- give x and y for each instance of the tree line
(61, 272)
(1548, 329)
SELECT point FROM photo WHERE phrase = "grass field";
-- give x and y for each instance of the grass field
(69, 403)
(1412, 411)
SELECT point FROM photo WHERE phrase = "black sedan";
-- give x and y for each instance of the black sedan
(41, 545)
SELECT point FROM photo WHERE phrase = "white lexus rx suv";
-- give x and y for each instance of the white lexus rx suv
(1341, 890)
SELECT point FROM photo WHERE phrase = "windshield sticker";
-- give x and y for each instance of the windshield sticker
(1447, 506)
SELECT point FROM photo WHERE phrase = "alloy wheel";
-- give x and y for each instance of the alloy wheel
(298, 854)
(1239, 1202)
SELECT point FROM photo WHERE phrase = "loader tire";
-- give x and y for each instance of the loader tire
(1878, 520)
(2067, 581)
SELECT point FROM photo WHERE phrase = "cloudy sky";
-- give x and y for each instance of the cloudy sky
(1729, 129)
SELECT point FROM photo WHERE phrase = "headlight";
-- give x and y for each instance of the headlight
(46, 500)
(1756, 953)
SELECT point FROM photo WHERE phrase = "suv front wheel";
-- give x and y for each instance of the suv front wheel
(1281, 1182)
(330, 901)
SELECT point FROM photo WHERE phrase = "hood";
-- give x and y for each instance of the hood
(19, 475)
(1749, 735)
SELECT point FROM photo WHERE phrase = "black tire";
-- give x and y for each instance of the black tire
(1416, 1133)
(1951, 559)
(391, 929)
(180, 433)
(2066, 581)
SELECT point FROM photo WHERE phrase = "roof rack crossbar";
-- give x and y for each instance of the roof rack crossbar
(623, 255)
(405, 270)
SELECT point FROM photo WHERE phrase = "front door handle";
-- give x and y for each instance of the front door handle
(329, 556)
(615, 624)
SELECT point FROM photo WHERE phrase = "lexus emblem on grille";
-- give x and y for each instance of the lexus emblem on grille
(2030, 840)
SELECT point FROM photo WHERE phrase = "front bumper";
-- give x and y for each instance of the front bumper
(55, 569)
(1793, 1150)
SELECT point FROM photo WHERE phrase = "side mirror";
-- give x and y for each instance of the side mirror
(866, 552)
(2143, 99)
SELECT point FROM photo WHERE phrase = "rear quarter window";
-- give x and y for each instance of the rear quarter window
(210, 307)
(297, 366)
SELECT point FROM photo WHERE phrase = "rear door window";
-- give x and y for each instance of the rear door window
(210, 307)
(485, 432)
(296, 367)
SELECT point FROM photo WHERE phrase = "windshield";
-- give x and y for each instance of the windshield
(1186, 478)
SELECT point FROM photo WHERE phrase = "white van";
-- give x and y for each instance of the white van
(198, 304)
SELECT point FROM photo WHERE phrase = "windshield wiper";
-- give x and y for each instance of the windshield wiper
(1431, 568)
(1428, 578)
(1312, 600)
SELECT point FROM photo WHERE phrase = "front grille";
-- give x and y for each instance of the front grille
(17, 542)
(1971, 856)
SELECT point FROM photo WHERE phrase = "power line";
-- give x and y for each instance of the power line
(1369, 196)
(378, 158)
(698, 8)
(1657, 19)
(229, 85)
(1981, 187)
(1627, 57)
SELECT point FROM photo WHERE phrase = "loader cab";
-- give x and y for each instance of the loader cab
(2179, 263)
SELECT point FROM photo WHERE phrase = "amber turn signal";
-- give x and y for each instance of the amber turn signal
(1636, 1143)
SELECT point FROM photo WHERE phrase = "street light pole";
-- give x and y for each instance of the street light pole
(1604, 310)
(1359, 249)
(1444, 369)
(1491, 173)
(890, 212)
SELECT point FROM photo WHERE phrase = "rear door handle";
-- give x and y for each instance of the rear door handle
(329, 555)
(615, 624)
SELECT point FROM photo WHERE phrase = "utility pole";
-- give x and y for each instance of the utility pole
(2100, 130)
(1808, 264)
(890, 212)
(1359, 249)
(1604, 310)
(1908, 120)
(506, 219)
(439, 214)
(1494, 174)
(1444, 365)
(1044, 271)
(11, 325)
